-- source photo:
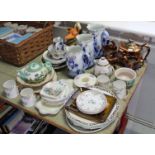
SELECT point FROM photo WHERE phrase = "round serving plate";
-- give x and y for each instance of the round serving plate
(86, 124)
(91, 102)
(47, 57)
(85, 80)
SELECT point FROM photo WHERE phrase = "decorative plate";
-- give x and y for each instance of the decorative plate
(91, 102)
(87, 125)
(46, 56)
(85, 80)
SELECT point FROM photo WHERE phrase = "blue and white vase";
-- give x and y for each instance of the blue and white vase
(101, 38)
(87, 43)
(74, 60)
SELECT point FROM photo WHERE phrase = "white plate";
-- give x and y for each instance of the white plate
(45, 110)
(79, 129)
(59, 67)
(50, 59)
(91, 102)
(85, 80)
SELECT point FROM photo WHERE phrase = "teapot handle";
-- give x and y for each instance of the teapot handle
(148, 50)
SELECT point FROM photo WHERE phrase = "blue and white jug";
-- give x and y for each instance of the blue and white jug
(101, 38)
(74, 60)
(87, 43)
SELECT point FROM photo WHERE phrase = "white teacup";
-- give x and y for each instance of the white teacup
(119, 88)
(103, 81)
(10, 89)
(28, 97)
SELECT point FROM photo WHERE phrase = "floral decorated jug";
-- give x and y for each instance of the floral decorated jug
(74, 60)
(101, 38)
(35, 72)
(103, 67)
(87, 43)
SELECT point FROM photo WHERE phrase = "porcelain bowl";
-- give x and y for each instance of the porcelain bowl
(126, 74)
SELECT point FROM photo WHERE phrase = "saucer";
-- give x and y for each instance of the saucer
(48, 57)
(85, 80)
(91, 102)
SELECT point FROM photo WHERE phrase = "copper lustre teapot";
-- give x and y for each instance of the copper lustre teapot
(133, 49)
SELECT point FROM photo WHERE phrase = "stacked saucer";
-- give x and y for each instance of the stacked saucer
(91, 110)
(56, 63)
(54, 95)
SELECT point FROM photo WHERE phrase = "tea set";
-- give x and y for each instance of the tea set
(56, 54)
(93, 88)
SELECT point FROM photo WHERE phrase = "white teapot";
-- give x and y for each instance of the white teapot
(103, 67)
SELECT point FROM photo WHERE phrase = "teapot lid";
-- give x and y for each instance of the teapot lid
(34, 67)
(103, 61)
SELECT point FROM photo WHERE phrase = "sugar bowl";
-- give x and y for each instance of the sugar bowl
(103, 67)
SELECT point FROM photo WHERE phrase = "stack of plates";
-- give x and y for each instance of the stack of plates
(54, 95)
(56, 63)
(83, 119)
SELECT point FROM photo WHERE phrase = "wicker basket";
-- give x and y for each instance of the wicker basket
(22, 53)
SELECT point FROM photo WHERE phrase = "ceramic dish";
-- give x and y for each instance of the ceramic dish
(91, 102)
(85, 80)
(55, 90)
(55, 93)
(89, 125)
(45, 110)
(46, 56)
(126, 74)
(37, 87)
(79, 129)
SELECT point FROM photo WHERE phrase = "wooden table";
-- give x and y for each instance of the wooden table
(8, 71)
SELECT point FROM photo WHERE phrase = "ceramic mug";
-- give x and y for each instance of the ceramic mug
(74, 60)
(87, 43)
(119, 88)
(28, 97)
(101, 38)
(10, 89)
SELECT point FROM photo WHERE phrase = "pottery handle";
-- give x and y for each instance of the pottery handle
(147, 52)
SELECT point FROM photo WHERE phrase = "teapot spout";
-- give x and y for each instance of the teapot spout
(48, 65)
